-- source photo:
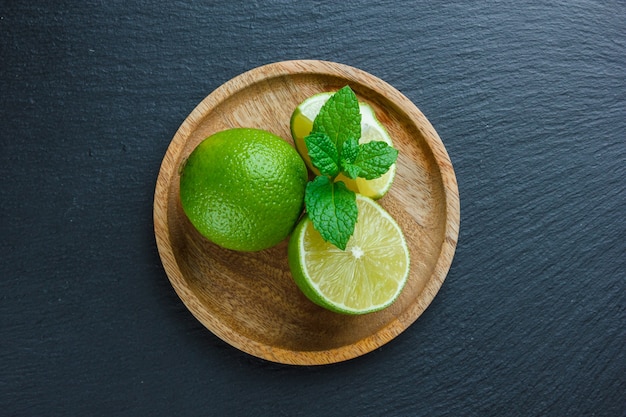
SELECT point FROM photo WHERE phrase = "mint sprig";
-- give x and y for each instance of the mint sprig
(333, 146)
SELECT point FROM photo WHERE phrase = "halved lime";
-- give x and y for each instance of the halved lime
(366, 277)
(371, 130)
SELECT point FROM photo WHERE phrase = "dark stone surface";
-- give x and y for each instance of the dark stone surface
(529, 99)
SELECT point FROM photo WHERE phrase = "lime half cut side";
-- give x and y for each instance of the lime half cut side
(368, 276)
(371, 130)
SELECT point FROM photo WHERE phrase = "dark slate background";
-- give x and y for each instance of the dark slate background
(529, 99)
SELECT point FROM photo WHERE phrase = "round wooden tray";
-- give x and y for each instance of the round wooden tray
(249, 299)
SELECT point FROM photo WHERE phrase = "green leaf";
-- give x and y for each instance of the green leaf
(333, 147)
(323, 153)
(374, 159)
(349, 153)
(340, 117)
(332, 209)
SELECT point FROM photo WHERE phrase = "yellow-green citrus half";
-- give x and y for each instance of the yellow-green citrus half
(243, 189)
(371, 130)
(368, 276)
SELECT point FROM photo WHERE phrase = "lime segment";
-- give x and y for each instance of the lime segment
(371, 130)
(368, 276)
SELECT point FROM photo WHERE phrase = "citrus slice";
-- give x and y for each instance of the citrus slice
(371, 130)
(368, 276)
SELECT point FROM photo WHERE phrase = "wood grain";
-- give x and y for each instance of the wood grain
(249, 299)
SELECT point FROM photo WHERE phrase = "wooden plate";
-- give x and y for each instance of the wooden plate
(249, 299)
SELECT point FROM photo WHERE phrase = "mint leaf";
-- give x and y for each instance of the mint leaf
(333, 147)
(323, 153)
(339, 117)
(349, 153)
(332, 209)
(374, 159)
(350, 150)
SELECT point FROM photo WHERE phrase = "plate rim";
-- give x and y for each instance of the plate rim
(450, 190)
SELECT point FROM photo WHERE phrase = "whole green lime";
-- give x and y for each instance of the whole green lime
(243, 189)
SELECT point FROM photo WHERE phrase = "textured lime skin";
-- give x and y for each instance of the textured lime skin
(243, 189)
